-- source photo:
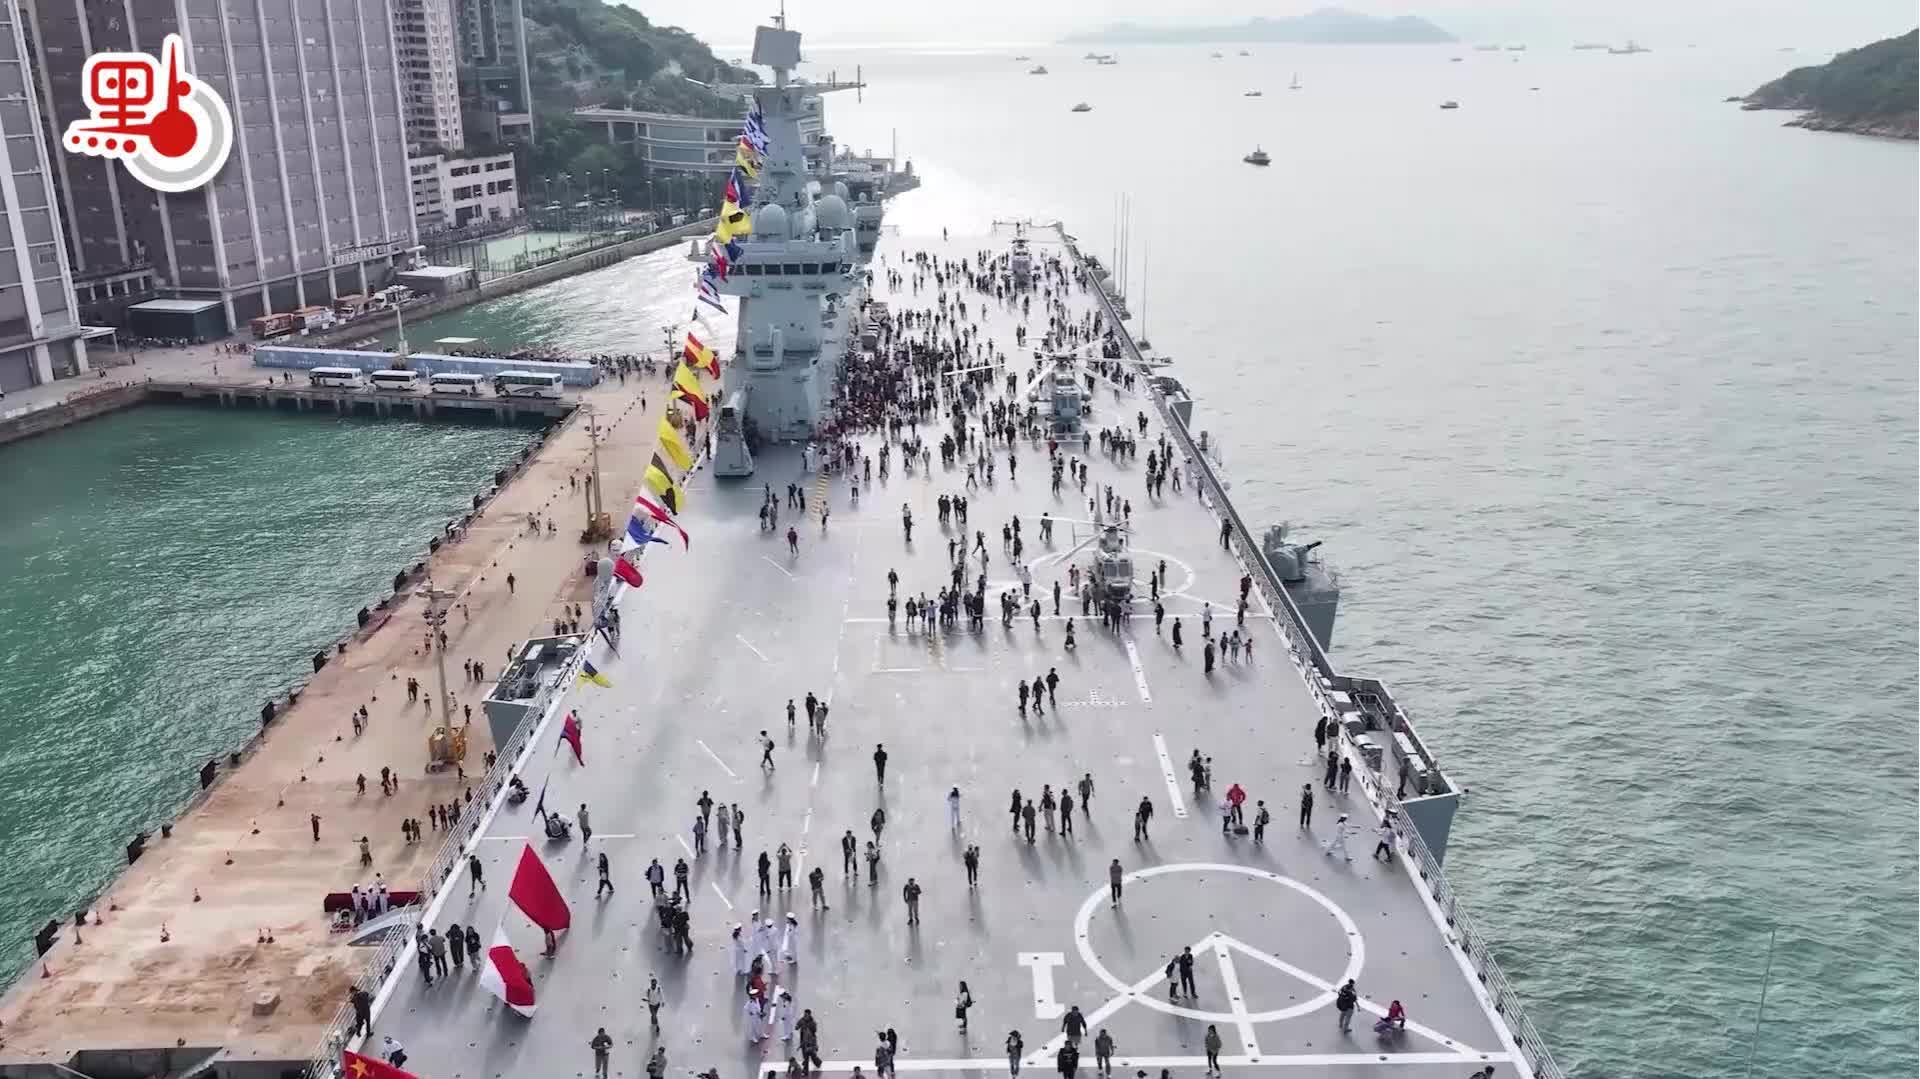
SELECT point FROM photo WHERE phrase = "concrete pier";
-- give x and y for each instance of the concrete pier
(423, 406)
(224, 913)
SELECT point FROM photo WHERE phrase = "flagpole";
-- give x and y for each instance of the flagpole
(438, 605)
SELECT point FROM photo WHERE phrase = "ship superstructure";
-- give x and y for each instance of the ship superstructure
(798, 279)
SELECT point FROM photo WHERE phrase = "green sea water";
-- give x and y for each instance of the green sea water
(163, 572)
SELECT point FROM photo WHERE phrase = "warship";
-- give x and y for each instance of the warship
(1188, 667)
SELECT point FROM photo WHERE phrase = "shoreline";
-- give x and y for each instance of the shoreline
(229, 894)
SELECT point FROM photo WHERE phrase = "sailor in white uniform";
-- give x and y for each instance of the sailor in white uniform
(1337, 842)
(755, 1017)
(764, 942)
(739, 951)
(783, 1015)
(790, 941)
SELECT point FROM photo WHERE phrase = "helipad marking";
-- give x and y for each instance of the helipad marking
(1166, 772)
(1236, 999)
(1045, 1006)
(716, 758)
(998, 1064)
(1137, 992)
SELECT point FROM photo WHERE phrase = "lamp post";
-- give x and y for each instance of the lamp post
(439, 604)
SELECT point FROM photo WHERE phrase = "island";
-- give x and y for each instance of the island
(1874, 90)
(1325, 26)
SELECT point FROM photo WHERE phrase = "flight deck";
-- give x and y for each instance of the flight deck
(727, 630)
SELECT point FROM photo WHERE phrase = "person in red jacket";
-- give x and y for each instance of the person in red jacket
(1235, 798)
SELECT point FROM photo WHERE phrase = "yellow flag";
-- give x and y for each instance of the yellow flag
(660, 482)
(674, 445)
(747, 160)
(733, 222)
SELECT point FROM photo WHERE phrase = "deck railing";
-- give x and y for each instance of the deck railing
(1314, 665)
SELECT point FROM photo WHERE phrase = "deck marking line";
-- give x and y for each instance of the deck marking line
(778, 566)
(1167, 773)
(1139, 673)
(751, 648)
(716, 758)
(721, 894)
(1236, 999)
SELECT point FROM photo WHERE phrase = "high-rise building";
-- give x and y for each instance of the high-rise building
(495, 89)
(429, 75)
(39, 326)
(314, 201)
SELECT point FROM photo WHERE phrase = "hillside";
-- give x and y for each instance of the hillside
(1873, 90)
(589, 52)
(1325, 26)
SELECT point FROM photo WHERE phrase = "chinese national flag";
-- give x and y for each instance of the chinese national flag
(355, 1066)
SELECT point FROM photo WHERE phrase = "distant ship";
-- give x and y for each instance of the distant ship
(1631, 48)
(1486, 48)
(1590, 46)
(1039, 70)
(1449, 104)
(1214, 56)
(1083, 107)
(1106, 61)
(1251, 93)
(1244, 52)
(1295, 84)
(1257, 157)
(1516, 48)
(1023, 58)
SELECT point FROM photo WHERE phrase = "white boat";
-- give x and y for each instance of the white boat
(1083, 107)
(1251, 93)
(1258, 157)
(1040, 69)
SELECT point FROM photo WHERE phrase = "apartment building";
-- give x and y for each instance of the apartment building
(429, 75)
(315, 199)
(496, 91)
(39, 325)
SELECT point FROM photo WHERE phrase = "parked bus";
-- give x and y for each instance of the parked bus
(453, 382)
(526, 384)
(395, 380)
(347, 378)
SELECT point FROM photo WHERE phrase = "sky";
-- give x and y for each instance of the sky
(1814, 25)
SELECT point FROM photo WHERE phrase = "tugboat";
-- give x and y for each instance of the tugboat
(1258, 157)
(1083, 107)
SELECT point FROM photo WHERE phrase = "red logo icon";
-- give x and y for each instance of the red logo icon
(170, 128)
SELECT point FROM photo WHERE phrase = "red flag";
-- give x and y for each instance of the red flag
(570, 734)
(659, 513)
(355, 1066)
(627, 571)
(505, 976)
(534, 892)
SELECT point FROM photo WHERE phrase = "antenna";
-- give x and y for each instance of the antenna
(859, 85)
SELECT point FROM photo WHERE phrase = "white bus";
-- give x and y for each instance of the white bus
(526, 384)
(348, 378)
(395, 380)
(453, 382)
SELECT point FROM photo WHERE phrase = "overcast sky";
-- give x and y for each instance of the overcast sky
(1807, 24)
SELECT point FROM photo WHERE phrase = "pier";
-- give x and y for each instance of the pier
(213, 948)
(303, 398)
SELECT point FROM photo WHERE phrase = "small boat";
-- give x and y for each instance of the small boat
(1632, 48)
(1295, 84)
(1457, 59)
(1251, 93)
(1040, 69)
(1106, 61)
(1083, 107)
(1258, 157)
(1449, 104)
(1244, 52)
(1213, 56)
(1023, 58)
